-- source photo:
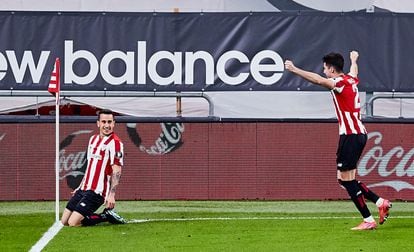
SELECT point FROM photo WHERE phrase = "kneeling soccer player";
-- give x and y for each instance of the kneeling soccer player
(105, 161)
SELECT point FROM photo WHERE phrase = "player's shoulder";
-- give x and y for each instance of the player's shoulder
(116, 138)
(338, 83)
(351, 79)
(337, 79)
(344, 80)
(114, 142)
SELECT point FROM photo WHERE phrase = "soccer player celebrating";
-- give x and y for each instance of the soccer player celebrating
(105, 160)
(353, 135)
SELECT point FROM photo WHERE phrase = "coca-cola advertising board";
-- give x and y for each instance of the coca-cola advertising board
(209, 161)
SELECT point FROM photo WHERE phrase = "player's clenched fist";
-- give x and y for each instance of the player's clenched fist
(354, 56)
(289, 65)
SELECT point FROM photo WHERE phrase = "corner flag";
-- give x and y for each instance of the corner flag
(54, 89)
(54, 84)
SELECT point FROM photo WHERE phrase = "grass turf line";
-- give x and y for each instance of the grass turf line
(21, 231)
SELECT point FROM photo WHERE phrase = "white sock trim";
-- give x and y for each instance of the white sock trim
(379, 202)
(369, 219)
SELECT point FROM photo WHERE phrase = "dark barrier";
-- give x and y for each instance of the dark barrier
(200, 51)
(262, 160)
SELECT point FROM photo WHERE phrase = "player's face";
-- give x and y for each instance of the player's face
(106, 124)
(328, 70)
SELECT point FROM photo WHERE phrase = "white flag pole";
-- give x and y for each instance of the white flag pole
(54, 88)
(57, 109)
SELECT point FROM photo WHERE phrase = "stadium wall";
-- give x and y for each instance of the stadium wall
(209, 161)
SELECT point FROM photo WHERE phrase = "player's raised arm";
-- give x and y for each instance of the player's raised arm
(353, 70)
(309, 76)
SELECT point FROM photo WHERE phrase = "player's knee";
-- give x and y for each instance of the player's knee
(65, 217)
(352, 188)
(65, 223)
(73, 223)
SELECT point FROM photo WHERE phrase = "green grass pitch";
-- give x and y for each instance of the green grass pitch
(213, 226)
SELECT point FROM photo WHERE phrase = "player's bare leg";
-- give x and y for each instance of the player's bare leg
(346, 175)
(75, 219)
(65, 217)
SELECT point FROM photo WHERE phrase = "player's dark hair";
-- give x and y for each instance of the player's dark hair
(106, 112)
(335, 60)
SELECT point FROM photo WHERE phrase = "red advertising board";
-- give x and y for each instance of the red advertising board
(209, 161)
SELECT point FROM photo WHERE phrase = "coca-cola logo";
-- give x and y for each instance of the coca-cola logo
(168, 140)
(72, 164)
(377, 159)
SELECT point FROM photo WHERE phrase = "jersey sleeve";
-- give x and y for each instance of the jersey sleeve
(117, 153)
(339, 84)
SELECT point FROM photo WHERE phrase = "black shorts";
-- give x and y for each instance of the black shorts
(349, 151)
(85, 202)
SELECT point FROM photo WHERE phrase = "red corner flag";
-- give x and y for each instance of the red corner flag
(54, 84)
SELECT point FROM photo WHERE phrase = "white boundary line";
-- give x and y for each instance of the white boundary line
(57, 226)
(47, 237)
(257, 218)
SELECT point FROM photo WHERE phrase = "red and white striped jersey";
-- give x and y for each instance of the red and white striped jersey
(347, 105)
(102, 154)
